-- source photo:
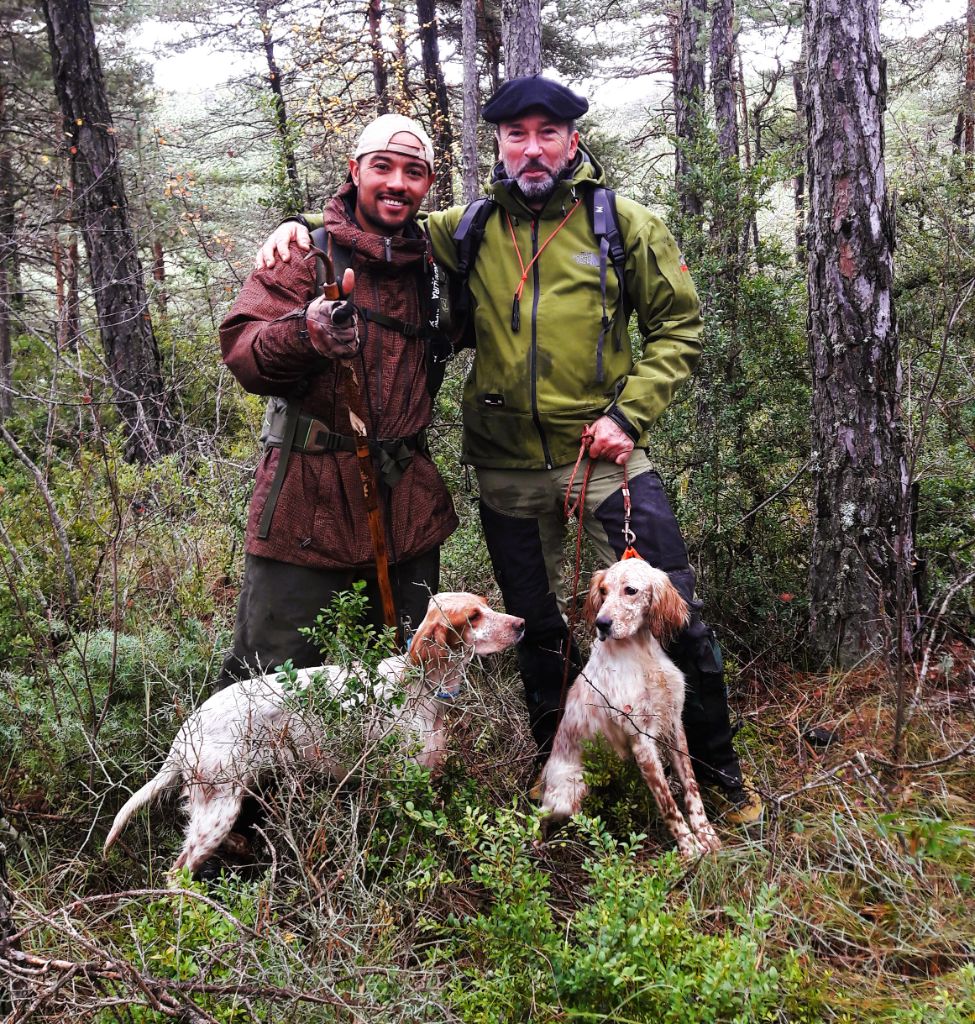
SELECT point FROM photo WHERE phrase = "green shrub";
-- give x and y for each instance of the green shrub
(89, 715)
(634, 950)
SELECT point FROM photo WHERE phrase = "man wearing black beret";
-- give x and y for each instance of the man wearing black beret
(562, 265)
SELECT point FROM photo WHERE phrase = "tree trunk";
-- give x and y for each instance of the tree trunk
(6, 355)
(751, 227)
(722, 53)
(379, 82)
(688, 99)
(8, 248)
(492, 44)
(725, 220)
(295, 202)
(521, 32)
(799, 181)
(102, 209)
(468, 132)
(401, 66)
(436, 90)
(159, 277)
(861, 529)
(969, 120)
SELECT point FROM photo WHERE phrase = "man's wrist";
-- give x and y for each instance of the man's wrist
(297, 218)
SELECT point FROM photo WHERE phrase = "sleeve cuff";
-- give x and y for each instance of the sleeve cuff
(623, 423)
(297, 218)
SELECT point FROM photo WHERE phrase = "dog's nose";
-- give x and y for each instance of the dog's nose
(519, 629)
(603, 626)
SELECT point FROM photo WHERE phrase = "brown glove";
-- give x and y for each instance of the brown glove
(333, 328)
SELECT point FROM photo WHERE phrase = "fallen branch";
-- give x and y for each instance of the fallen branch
(32, 966)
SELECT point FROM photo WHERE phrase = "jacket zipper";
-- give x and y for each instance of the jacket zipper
(547, 455)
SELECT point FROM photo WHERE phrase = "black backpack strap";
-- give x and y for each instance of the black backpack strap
(601, 203)
(429, 284)
(289, 429)
(467, 240)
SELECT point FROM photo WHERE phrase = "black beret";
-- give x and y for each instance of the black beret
(520, 94)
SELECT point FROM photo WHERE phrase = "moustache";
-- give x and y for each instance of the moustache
(533, 165)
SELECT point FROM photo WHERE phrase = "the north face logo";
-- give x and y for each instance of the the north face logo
(588, 259)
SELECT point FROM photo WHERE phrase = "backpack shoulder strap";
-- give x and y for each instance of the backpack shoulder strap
(470, 232)
(606, 224)
(601, 206)
(467, 240)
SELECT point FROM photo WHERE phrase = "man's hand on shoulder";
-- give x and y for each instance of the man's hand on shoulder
(278, 244)
(609, 441)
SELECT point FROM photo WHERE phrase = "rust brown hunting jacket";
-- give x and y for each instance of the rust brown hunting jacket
(320, 518)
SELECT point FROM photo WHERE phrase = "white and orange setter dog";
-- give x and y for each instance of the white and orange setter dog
(249, 727)
(633, 694)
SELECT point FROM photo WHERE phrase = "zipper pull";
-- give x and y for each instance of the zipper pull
(389, 249)
(516, 314)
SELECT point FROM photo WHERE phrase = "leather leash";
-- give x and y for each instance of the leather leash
(578, 508)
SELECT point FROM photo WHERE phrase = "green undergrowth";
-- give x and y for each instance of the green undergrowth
(392, 894)
(395, 894)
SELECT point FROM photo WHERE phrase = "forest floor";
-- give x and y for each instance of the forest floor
(860, 877)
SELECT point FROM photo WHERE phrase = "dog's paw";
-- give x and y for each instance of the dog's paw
(708, 838)
(690, 847)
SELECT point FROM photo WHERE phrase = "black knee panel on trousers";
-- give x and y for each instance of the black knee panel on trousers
(516, 553)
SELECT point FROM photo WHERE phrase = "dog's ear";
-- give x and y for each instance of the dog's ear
(668, 612)
(430, 641)
(594, 599)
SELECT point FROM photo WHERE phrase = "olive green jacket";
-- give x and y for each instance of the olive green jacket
(532, 390)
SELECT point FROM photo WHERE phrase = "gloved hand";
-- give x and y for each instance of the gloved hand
(333, 326)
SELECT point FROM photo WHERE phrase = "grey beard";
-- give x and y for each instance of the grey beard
(537, 189)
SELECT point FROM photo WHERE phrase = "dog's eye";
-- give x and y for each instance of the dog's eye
(630, 591)
(474, 616)
(604, 591)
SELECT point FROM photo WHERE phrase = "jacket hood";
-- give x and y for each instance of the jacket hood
(583, 172)
(394, 250)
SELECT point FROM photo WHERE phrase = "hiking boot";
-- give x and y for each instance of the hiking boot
(738, 805)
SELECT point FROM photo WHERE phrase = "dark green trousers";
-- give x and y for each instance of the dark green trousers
(277, 599)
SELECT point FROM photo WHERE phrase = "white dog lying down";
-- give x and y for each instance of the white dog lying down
(223, 746)
(633, 694)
